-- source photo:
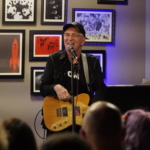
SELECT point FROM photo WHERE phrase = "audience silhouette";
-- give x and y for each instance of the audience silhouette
(3, 138)
(102, 126)
(65, 141)
(20, 135)
(137, 124)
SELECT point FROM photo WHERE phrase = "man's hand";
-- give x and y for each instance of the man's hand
(62, 93)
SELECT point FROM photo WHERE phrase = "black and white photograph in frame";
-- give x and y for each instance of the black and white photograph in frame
(19, 11)
(36, 74)
(54, 12)
(98, 24)
(119, 2)
(101, 55)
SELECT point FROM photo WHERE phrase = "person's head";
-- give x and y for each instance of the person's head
(74, 34)
(102, 125)
(65, 141)
(3, 138)
(137, 124)
(20, 135)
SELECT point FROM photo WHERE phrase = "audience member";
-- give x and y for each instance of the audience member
(65, 141)
(137, 124)
(20, 135)
(102, 126)
(3, 138)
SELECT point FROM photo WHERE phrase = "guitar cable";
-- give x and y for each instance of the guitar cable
(36, 129)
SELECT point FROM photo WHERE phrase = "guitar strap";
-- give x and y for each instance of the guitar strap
(86, 69)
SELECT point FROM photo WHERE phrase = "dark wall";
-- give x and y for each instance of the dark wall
(129, 97)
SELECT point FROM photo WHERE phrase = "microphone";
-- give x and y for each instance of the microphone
(71, 49)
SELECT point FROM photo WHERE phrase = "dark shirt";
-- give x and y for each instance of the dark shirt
(56, 72)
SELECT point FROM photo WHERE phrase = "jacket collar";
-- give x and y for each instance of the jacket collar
(62, 54)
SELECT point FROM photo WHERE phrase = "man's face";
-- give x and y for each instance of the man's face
(74, 38)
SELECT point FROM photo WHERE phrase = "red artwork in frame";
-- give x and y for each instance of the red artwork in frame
(46, 45)
(43, 43)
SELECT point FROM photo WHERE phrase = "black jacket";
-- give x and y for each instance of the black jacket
(54, 74)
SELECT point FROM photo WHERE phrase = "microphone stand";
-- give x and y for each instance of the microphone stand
(72, 98)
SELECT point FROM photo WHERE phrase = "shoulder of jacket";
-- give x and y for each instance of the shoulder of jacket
(91, 57)
(57, 54)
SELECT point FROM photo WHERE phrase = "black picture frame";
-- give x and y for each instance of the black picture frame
(99, 25)
(12, 49)
(54, 12)
(119, 2)
(36, 74)
(42, 43)
(19, 12)
(101, 55)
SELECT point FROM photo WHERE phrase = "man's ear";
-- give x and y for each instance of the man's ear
(82, 133)
(83, 41)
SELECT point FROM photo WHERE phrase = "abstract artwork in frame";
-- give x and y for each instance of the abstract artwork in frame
(36, 74)
(99, 25)
(119, 2)
(54, 12)
(101, 55)
(12, 45)
(43, 43)
(19, 11)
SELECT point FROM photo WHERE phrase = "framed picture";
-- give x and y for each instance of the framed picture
(54, 12)
(101, 55)
(19, 11)
(43, 43)
(99, 25)
(123, 2)
(36, 74)
(12, 53)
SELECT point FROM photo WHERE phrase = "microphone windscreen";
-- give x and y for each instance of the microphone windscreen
(70, 47)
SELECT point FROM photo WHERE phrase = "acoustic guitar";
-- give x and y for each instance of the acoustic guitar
(58, 114)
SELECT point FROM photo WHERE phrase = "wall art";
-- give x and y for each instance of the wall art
(43, 43)
(120, 2)
(36, 74)
(54, 12)
(99, 25)
(12, 46)
(19, 12)
(101, 55)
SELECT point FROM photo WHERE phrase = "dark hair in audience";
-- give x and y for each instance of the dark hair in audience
(65, 141)
(3, 138)
(20, 135)
(137, 124)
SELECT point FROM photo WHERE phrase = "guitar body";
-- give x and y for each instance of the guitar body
(58, 114)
